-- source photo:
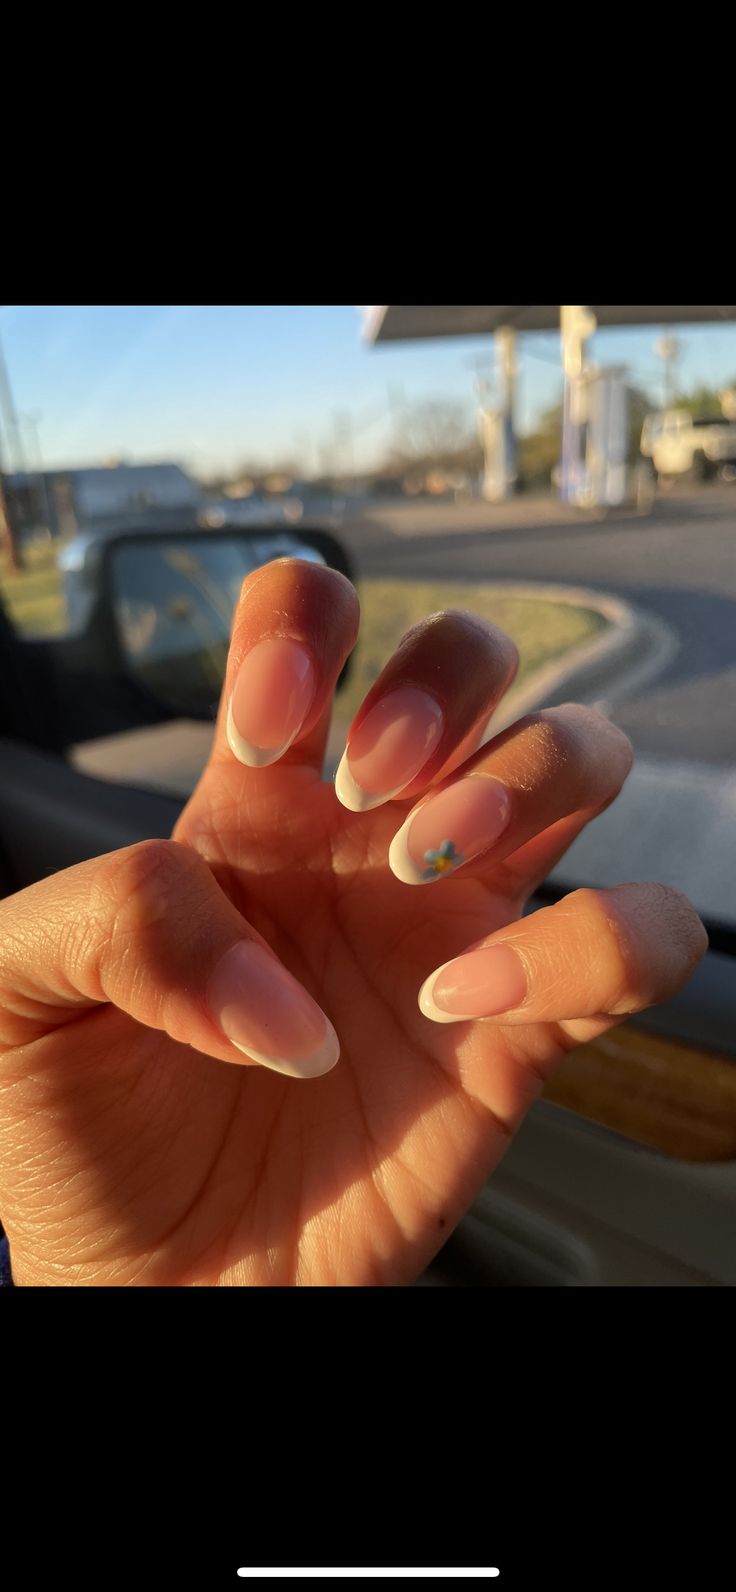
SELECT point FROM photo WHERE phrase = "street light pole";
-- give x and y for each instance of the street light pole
(668, 349)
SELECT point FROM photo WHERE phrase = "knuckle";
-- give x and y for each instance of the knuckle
(148, 907)
(593, 737)
(545, 745)
(648, 940)
(141, 885)
(476, 638)
(611, 946)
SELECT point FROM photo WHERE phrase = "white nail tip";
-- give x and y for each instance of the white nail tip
(351, 795)
(400, 862)
(252, 756)
(313, 1066)
(427, 1005)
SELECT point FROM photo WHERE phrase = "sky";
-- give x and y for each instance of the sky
(216, 386)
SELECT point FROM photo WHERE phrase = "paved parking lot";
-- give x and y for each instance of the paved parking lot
(679, 564)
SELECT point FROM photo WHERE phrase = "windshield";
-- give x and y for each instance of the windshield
(541, 469)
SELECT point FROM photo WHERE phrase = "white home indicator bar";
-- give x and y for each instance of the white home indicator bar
(446, 1574)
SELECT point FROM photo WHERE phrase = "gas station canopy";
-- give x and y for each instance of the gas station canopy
(386, 323)
(594, 423)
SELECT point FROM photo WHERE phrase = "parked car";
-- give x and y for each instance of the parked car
(258, 509)
(680, 444)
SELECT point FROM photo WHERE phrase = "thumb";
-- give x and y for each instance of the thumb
(149, 930)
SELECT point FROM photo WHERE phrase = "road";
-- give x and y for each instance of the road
(679, 564)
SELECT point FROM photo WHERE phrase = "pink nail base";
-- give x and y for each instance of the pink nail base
(272, 694)
(474, 812)
(389, 748)
(268, 1015)
(485, 983)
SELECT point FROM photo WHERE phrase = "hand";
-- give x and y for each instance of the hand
(141, 1142)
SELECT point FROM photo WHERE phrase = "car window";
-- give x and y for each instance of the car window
(459, 455)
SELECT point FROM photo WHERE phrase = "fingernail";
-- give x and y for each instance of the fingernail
(388, 748)
(271, 697)
(264, 1012)
(451, 828)
(482, 983)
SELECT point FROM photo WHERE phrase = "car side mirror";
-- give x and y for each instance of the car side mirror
(169, 599)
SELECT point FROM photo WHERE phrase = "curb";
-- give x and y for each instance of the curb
(636, 647)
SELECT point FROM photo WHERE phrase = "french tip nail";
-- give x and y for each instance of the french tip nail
(350, 794)
(426, 1003)
(251, 756)
(315, 1065)
(400, 862)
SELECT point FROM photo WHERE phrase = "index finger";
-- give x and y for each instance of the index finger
(294, 626)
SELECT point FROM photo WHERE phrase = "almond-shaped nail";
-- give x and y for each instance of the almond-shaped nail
(451, 828)
(272, 695)
(482, 983)
(266, 1013)
(389, 748)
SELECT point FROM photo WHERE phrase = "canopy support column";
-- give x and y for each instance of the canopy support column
(497, 427)
(577, 325)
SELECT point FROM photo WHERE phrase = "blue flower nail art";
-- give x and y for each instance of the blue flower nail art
(443, 860)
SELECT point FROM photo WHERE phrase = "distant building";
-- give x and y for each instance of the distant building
(68, 500)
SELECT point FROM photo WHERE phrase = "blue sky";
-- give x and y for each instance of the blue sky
(214, 385)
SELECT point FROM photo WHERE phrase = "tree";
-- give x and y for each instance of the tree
(257, 471)
(703, 402)
(640, 405)
(539, 451)
(435, 432)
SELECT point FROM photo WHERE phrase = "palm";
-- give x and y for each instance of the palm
(189, 1170)
(131, 1157)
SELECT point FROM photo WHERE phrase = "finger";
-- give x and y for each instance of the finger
(428, 709)
(149, 930)
(525, 869)
(550, 765)
(293, 628)
(597, 954)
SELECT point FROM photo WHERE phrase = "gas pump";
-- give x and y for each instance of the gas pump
(594, 469)
(599, 403)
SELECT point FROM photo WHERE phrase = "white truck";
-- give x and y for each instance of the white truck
(680, 444)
